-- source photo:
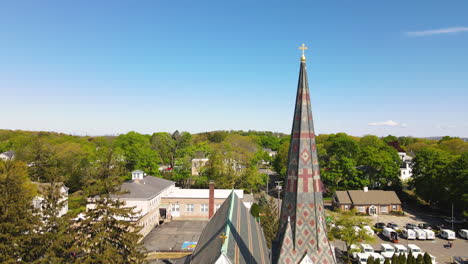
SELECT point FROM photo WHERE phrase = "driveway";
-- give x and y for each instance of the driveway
(170, 236)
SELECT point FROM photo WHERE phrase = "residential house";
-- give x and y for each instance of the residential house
(405, 167)
(198, 165)
(372, 202)
(7, 155)
(42, 188)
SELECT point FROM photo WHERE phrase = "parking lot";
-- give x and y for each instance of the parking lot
(435, 247)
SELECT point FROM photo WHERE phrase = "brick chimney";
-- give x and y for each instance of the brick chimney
(211, 200)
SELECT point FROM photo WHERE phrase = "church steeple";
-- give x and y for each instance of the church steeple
(302, 233)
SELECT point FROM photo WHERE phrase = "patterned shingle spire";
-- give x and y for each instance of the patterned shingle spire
(302, 232)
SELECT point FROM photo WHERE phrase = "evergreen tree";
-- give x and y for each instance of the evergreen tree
(395, 259)
(269, 220)
(387, 261)
(370, 260)
(377, 261)
(56, 240)
(427, 259)
(410, 259)
(419, 259)
(107, 234)
(17, 219)
(402, 259)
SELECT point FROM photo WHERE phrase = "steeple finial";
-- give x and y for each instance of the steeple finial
(303, 48)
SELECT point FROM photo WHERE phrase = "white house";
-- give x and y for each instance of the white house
(144, 193)
(46, 187)
(197, 165)
(7, 155)
(405, 167)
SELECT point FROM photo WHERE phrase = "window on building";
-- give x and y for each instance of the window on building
(175, 207)
(361, 209)
(189, 208)
(217, 207)
(204, 208)
(346, 207)
(384, 209)
(394, 207)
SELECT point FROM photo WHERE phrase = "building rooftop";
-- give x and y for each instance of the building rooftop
(203, 193)
(231, 236)
(145, 188)
(368, 197)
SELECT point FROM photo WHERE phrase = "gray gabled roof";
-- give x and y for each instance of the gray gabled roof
(146, 188)
(243, 241)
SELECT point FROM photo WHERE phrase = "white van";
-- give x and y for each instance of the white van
(387, 250)
(366, 248)
(400, 249)
(429, 234)
(354, 251)
(362, 258)
(447, 234)
(408, 234)
(357, 229)
(377, 256)
(420, 234)
(463, 233)
(414, 249)
(368, 230)
(391, 234)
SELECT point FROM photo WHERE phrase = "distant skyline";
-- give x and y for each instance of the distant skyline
(109, 67)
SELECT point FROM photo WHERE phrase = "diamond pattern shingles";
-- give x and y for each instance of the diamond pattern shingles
(303, 217)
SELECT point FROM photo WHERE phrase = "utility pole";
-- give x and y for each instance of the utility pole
(452, 218)
(278, 187)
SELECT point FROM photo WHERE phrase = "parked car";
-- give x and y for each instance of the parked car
(379, 225)
(424, 226)
(368, 230)
(391, 234)
(410, 226)
(430, 235)
(420, 234)
(387, 250)
(393, 226)
(408, 233)
(447, 234)
(463, 233)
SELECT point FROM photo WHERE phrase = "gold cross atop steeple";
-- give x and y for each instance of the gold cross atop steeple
(303, 48)
(223, 237)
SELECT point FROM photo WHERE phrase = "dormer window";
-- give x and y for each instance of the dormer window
(137, 175)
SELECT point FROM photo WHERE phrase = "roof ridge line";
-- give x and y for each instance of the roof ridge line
(228, 228)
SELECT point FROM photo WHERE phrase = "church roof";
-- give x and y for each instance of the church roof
(232, 235)
(302, 232)
(146, 188)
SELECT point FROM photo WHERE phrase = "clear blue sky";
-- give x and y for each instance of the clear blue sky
(108, 67)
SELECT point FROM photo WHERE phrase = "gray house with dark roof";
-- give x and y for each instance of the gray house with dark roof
(372, 202)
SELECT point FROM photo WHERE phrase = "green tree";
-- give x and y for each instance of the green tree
(269, 219)
(402, 259)
(427, 259)
(137, 152)
(346, 232)
(280, 162)
(370, 260)
(56, 238)
(18, 233)
(105, 235)
(380, 165)
(395, 259)
(429, 170)
(387, 261)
